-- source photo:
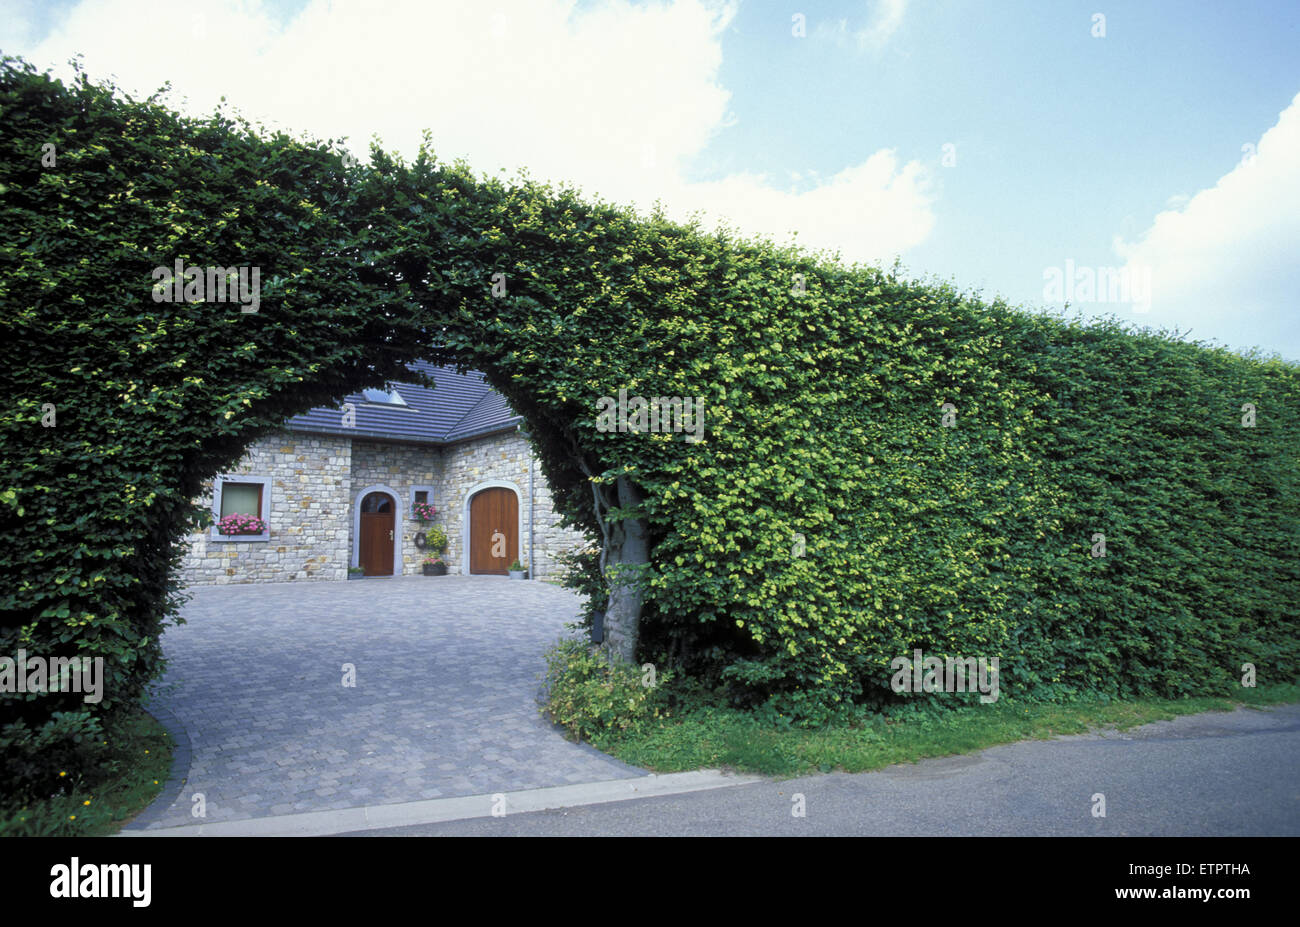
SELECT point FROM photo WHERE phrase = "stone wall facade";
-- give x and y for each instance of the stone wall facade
(502, 460)
(317, 481)
(307, 512)
(401, 468)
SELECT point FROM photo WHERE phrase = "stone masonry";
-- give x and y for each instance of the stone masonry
(497, 460)
(308, 512)
(401, 467)
(316, 481)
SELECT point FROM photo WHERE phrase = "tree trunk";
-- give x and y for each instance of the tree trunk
(627, 557)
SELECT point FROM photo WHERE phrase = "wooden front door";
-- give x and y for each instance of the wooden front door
(493, 531)
(378, 521)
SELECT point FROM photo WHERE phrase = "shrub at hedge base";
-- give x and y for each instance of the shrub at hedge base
(884, 465)
(593, 697)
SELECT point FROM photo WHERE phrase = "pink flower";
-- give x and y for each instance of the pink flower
(240, 523)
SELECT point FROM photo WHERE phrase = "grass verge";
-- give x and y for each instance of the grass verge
(136, 762)
(721, 738)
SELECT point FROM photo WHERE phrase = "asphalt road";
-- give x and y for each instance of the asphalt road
(1216, 774)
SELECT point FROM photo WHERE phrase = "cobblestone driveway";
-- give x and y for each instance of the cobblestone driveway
(447, 675)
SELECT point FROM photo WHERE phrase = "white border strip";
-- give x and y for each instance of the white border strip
(438, 810)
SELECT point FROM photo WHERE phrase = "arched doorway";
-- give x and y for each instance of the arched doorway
(493, 530)
(376, 538)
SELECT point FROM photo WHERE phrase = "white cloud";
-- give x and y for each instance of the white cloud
(872, 211)
(885, 16)
(1226, 259)
(16, 29)
(616, 98)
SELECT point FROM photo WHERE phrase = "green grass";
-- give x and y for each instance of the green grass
(721, 738)
(136, 763)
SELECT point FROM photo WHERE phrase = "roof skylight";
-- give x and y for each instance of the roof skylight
(383, 397)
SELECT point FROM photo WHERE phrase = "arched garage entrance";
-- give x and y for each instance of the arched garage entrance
(492, 528)
(376, 537)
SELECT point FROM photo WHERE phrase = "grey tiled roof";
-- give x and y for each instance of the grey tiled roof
(461, 406)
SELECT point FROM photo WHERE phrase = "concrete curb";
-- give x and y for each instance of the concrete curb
(180, 771)
(438, 810)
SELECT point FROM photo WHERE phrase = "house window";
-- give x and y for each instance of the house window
(241, 495)
(241, 499)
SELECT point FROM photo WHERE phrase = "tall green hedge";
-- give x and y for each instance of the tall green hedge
(824, 389)
(119, 409)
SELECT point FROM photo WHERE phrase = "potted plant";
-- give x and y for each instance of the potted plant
(435, 540)
(236, 523)
(518, 570)
(356, 573)
(423, 512)
(434, 566)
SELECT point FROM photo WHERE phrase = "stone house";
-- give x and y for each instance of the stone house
(336, 488)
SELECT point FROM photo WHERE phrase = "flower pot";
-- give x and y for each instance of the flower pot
(518, 574)
(435, 569)
(356, 576)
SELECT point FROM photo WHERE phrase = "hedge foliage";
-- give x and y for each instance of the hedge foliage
(118, 408)
(824, 389)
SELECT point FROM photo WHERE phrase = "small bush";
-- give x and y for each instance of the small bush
(34, 758)
(435, 539)
(121, 767)
(592, 696)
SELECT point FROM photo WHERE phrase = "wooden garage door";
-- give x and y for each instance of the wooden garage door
(493, 531)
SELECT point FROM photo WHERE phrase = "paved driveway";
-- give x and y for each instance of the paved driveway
(448, 670)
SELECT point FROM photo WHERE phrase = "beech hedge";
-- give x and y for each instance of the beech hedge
(886, 465)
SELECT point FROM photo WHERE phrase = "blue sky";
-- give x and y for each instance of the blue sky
(1166, 148)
